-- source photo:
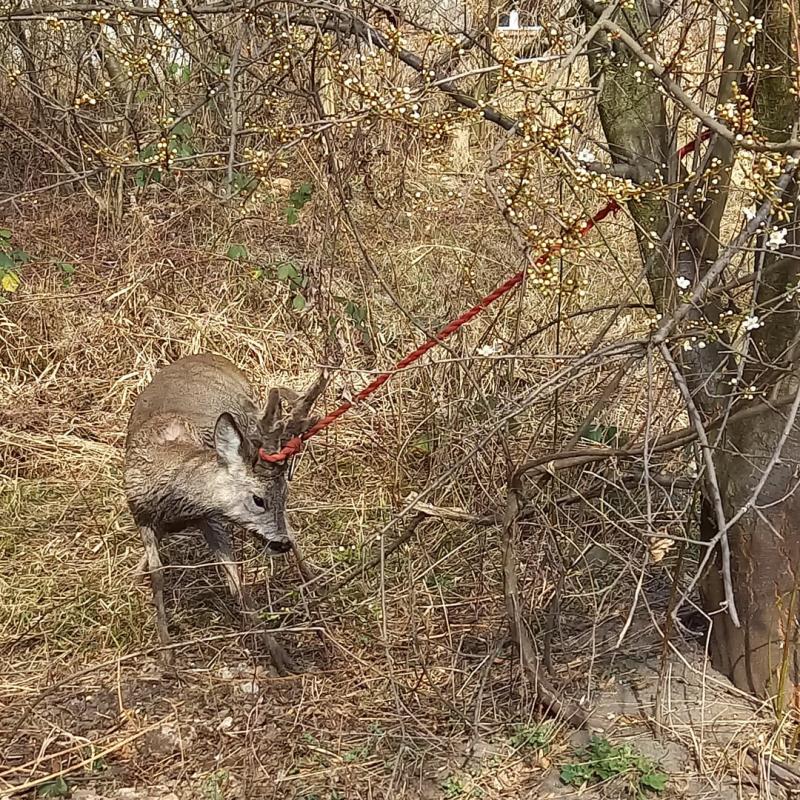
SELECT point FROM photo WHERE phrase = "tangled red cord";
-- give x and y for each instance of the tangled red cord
(294, 445)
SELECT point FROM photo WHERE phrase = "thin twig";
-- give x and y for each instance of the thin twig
(234, 109)
(713, 487)
(731, 251)
(674, 89)
(544, 692)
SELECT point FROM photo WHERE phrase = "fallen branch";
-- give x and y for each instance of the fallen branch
(94, 757)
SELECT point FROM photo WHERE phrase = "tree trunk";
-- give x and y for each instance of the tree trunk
(634, 121)
(762, 655)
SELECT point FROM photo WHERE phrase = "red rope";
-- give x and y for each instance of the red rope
(294, 445)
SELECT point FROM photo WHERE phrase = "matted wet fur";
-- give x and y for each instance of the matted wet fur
(191, 461)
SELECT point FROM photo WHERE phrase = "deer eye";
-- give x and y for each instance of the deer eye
(259, 501)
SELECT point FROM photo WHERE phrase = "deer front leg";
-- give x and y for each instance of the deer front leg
(156, 568)
(219, 541)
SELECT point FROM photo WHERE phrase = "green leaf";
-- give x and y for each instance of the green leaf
(67, 271)
(423, 444)
(574, 774)
(291, 215)
(535, 737)
(146, 175)
(657, 781)
(286, 271)
(183, 129)
(357, 313)
(58, 787)
(149, 152)
(242, 182)
(356, 754)
(20, 256)
(601, 760)
(183, 149)
(5, 234)
(600, 434)
(301, 195)
(6, 262)
(182, 73)
(298, 302)
(237, 252)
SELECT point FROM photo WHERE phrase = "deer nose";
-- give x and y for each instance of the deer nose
(279, 546)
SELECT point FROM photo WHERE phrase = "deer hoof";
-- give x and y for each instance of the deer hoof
(284, 664)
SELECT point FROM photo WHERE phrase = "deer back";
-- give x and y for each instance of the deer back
(198, 389)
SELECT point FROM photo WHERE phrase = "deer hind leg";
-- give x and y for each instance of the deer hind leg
(141, 569)
(219, 541)
(156, 568)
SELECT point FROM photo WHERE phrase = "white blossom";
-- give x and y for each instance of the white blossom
(683, 283)
(751, 323)
(749, 212)
(586, 156)
(776, 238)
(488, 350)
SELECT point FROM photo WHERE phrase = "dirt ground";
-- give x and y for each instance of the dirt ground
(410, 688)
(220, 725)
(367, 718)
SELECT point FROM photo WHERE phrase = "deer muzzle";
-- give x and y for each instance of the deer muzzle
(277, 535)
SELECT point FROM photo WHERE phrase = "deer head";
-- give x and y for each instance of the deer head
(286, 416)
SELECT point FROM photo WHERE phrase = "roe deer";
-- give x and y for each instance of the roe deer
(191, 461)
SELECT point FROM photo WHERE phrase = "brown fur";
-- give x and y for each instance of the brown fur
(191, 461)
(198, 389)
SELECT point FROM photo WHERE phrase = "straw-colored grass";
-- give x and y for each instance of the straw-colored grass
(411, 688)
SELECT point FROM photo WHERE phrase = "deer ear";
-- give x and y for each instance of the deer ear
(228, 440)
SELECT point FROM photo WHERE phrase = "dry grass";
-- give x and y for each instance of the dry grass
(411, 689)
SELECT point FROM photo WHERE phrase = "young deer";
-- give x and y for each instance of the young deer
(191, 461)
